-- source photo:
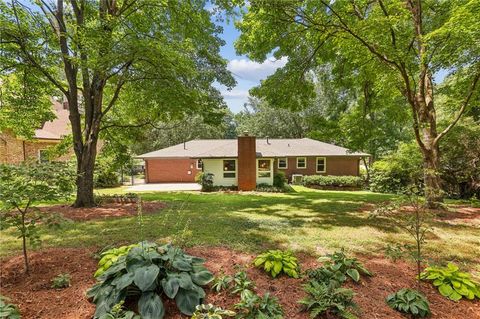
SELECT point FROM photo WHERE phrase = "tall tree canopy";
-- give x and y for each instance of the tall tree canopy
(406, 43)
(152, 57)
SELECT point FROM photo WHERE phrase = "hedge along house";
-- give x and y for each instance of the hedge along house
(247, 161)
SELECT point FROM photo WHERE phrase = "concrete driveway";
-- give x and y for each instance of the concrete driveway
(165, 187)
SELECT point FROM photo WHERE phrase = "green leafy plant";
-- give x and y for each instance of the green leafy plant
(206, 181)
(211, 312)
(332, 181)
(279, 179)
(409, 301)
(397, 251)
(276, 262)
(8, 310)
(242, 285)
(61, 281)
(451, 282)
(118, 312)
(339, 262)
(256, 307)
(221, 282)
(327, 275)
(109, 257)
(324, 299)
(150, 271)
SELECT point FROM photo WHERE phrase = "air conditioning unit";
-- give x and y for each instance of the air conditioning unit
(297, 179)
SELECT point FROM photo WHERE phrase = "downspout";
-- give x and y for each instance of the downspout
(24, 152)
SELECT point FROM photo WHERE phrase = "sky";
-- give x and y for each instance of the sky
(247, 73)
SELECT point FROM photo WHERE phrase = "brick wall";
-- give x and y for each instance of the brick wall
(247, 162)
(171, 170)
(336, 165)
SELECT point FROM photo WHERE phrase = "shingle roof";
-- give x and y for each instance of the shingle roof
(58, 127)
(274, 148)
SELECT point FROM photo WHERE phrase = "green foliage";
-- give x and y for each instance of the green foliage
(8, 310)
(409, 301)
(149, 271)
(61, 281)
(266, 188)
(276, 262)
(109, 257)
(397, 251)
(323, 298)
(106, 172)
(211, 312)
(334, 181)
(221, 282)
(256, 307)
(279, 179)
(206, 180)
(118, 312)
(242, 285)
(339, 262)
(451, 282)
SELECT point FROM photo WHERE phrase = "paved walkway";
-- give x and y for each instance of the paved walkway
(165, 187)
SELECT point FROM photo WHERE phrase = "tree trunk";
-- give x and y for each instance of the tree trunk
(432, 181)
(85, 169)
(24, 243)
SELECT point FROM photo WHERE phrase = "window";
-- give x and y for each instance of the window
(321, 164)
(43, 156)
(301, 162)
(229, 169)
(264, 168)
(282, 163)
(199, 164)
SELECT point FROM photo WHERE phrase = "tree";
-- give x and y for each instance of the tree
(25, 185)
(407, 42)
(152, 57)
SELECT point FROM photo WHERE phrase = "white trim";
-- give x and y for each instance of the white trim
(324, 164)
(305, 162)
(223, 166)
(200, 167)
(286, 163)
(271, 168)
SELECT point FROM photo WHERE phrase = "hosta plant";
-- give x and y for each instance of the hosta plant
(339, 262)
(221, 282)
(242, 285)
(327, 275)
(451, 282)
(211, 312)
(323, 299)
(276, 262)
(151, 272)
(8, 310)
(109, 257)
(256, 307)
(118, 312)
(409, 301)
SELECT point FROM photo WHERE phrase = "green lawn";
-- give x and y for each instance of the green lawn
(303, 220)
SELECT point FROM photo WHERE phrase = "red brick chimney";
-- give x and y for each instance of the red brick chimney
(247, 159)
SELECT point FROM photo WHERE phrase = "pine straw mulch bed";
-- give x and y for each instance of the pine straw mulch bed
(37, 300)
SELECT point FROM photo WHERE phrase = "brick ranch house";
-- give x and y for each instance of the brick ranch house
(247, 161)
(14, 149)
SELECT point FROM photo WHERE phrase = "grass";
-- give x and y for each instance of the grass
(304, 220)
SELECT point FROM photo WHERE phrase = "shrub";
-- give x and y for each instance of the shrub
(109, 257)
(211, 312)
(279, 180)
(206, 180)
(61, 281)
(451, 282)
(265, 188)
(256, 307)
(332, 181)
(8, 310)
(106, 173)
(325, 298)
(276, 262)
(339, 262)
(409, 301)
(149, 271)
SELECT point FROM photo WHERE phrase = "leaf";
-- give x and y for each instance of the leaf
(145, 276)
(202, 277)
(353, 273)
(258, 261)
(445, 290)
(277, 266)
(123, 281)
(182, 265)
(187, 300)
(150, 306)
(170, 286)
(455, 296)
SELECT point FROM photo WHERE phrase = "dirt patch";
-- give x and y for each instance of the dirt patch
(105, 211)
(460, 215)
(37, 300)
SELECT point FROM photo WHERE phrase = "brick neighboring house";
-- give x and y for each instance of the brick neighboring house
(247, 161)
(14, 150)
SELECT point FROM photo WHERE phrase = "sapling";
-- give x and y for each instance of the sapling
(25, 185)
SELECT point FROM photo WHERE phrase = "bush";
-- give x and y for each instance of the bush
(106, 173)
(276, 262)
(279, 180)
(61, 281)
(332, 181)
(206, 180)
(149, 272)
(452, 283)
(409, 301)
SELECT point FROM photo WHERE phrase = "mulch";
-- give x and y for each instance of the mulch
(107, 210)
(37, 300)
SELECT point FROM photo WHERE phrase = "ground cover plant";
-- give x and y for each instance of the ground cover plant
(341, 266)
(61, 281)
(451, 282)
(276, 262)
(259, 307)
(210, 311)
(409, 301)
(149, 271)
(8, 310)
